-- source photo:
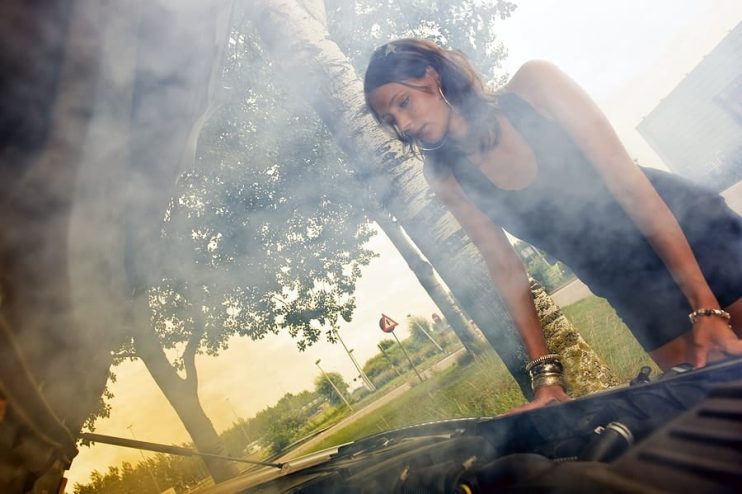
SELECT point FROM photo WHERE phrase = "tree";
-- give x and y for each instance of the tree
(326, 390)
(111, 101)
(152, 475)
(469, 25)
(255, 240)
(386, 344)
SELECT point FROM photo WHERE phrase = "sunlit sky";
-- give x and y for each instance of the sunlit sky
(628, 54)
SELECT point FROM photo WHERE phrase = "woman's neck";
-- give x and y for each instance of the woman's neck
(459, 133)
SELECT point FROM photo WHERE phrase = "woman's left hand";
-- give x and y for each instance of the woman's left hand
(544, 396)
(713, 339)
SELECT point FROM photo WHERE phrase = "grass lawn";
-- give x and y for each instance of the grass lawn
(485, 388)
(480, 388)
(598, 323)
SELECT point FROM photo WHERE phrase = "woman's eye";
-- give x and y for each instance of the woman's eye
(405, 102)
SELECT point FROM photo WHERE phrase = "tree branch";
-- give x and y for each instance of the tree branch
(189, 357)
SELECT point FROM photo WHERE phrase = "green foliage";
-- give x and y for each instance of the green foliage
(418, 326)
(275, 426)
(386, 344)
(324, 389)
(102, 409)
(375, 366)
(468, 25)
(282, 432)
(260, 236)
(153, 475)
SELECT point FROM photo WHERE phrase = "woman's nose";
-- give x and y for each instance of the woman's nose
(405, 124)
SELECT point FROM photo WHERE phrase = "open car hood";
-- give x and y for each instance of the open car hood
(683, 431)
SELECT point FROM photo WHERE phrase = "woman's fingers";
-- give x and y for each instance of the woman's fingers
(722, 341)
(545, 396)
(732, 347)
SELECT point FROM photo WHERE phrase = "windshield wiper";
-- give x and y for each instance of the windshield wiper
(164, 448)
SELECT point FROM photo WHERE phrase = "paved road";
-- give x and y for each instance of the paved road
(373, 406)
(733, 196)
(570, 293)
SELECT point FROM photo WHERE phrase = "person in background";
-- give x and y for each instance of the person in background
(538, 158)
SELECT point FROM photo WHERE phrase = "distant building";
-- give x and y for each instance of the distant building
(697, 128)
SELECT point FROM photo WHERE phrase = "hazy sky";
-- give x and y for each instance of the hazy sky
(628, 54)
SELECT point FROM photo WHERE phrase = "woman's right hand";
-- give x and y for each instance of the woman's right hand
(713, 339)
(545, 396)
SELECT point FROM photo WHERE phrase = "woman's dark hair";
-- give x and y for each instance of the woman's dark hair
(405, 59)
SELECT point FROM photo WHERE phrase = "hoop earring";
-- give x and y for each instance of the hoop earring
(443, 96)
(438, 146)
(443, 141)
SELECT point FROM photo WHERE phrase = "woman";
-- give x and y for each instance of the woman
(540, 160)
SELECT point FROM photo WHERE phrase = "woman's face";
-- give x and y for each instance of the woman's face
(415, 107)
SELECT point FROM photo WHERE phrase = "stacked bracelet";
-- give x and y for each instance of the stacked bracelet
(552, 357)
(545, 371)
(693, 316)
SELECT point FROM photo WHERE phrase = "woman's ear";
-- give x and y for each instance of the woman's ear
(432, 76)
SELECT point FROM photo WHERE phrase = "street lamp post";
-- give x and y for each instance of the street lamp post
(430, 337)
(389, 359)
(364, 377)
(408, 357)
(239, 422)
(333, 384)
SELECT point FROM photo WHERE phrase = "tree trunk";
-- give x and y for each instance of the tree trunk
(584, 370)
(182, 394)
(301, 46)
(425, 275)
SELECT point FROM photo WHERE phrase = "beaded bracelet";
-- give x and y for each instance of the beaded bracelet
(693, 316)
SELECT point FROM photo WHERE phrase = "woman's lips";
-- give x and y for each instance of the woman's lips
(423, 133)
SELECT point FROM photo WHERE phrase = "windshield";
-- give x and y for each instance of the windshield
(298, 284)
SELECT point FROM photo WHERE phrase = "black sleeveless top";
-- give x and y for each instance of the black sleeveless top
(569, 212)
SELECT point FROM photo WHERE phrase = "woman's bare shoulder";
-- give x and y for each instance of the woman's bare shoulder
(540, 83)
(532, 75)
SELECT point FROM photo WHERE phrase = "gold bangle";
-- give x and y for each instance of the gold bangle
(693, 316)
(546, 380)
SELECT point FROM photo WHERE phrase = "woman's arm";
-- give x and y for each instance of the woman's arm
(556, 96)
(507, 273)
